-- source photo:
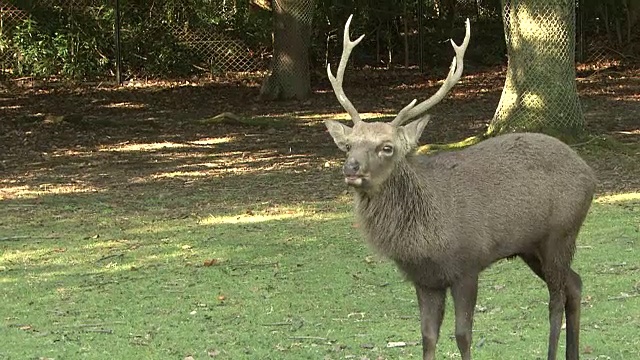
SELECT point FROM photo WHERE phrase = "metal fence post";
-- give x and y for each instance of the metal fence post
(117, 35)
(420, 37)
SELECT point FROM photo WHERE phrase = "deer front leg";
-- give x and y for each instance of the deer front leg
(431, 302)
(465, 293)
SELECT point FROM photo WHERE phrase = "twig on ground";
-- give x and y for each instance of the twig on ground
(623, 296)
(253, 264)
(109, 257)
(104, 331)
(278, 323)
(14, 238)
(96, 325)
(308, 338)
(584, 143)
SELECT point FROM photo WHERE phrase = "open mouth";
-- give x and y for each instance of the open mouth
(354, 180)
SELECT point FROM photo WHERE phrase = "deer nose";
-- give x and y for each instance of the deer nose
(351, 167)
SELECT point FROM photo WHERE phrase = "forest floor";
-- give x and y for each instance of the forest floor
(124, 129)
(136, 222)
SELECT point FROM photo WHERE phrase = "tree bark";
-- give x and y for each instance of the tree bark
(540, 91)
(290, 78)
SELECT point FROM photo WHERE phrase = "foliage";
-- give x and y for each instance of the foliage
(75, 38)
(56, 42)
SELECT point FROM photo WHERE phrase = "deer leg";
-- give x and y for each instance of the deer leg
(465, 294)
(573, 292)
(553, 275)
(556, 311)
(431, 302)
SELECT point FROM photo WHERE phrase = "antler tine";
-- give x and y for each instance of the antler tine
(455, 72)
(336, 81)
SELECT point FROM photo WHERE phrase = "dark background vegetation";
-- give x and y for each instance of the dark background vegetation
(74, 39)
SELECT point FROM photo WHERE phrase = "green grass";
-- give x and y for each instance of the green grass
(84, 276)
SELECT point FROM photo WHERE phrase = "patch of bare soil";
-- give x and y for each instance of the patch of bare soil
(164, 137)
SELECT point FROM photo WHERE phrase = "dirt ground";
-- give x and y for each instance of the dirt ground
(97, 136)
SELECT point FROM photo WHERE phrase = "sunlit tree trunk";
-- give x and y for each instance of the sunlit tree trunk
(540, 91)
(290, 78)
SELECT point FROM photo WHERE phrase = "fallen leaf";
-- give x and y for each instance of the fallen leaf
(393, 344)
(210, 262)
(221, 298)
(186, 247)
(213, 353)
(189, 358)
(25, 327)
(587, 350)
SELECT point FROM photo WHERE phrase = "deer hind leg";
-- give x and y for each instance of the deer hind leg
(554, 274)
(573, 292)
(431, 302)
(465, 294)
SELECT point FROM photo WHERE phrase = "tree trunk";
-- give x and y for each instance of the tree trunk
(540, 91)
(290, 77)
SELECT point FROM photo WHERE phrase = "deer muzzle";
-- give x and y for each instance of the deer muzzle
(352, 172)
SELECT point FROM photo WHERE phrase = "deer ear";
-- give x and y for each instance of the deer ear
(339, 133)
(413, 130)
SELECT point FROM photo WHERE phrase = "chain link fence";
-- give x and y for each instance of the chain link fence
(540, 88)
(75, 39)
(164, 38)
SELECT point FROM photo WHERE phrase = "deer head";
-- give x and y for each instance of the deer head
(373, 149)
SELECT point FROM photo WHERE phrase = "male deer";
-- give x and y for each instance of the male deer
(444, 218)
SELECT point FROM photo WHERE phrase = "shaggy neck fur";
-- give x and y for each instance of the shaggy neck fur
(401, 219)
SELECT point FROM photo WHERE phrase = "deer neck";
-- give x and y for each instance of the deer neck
(401, 219)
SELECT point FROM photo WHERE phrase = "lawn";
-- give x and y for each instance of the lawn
(135, 227)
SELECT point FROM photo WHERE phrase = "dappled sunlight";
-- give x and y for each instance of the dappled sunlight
(246, 219)
(101, 257)
(282, 214)
(10, 107)
(142, 147)
(126, 104)
(618, 198)
(6, 279)
(180, 174)
(128, 146)
(214, 141)
(345, 116)
(23, 256)
(532, 101)
(107, 244)
(232, 163)
(8, 191)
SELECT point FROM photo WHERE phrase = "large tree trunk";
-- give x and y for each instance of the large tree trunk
(290, 77)
(540, 91)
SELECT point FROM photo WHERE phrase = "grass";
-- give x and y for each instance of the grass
(87, 276)
(155, 224)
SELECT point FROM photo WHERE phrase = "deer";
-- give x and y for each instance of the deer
(444, 218)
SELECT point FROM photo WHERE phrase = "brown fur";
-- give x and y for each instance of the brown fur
(444, 218)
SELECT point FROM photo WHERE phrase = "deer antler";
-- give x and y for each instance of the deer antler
(412, 110)
(336, 81)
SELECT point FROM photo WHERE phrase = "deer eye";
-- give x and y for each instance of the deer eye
(387, 149)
